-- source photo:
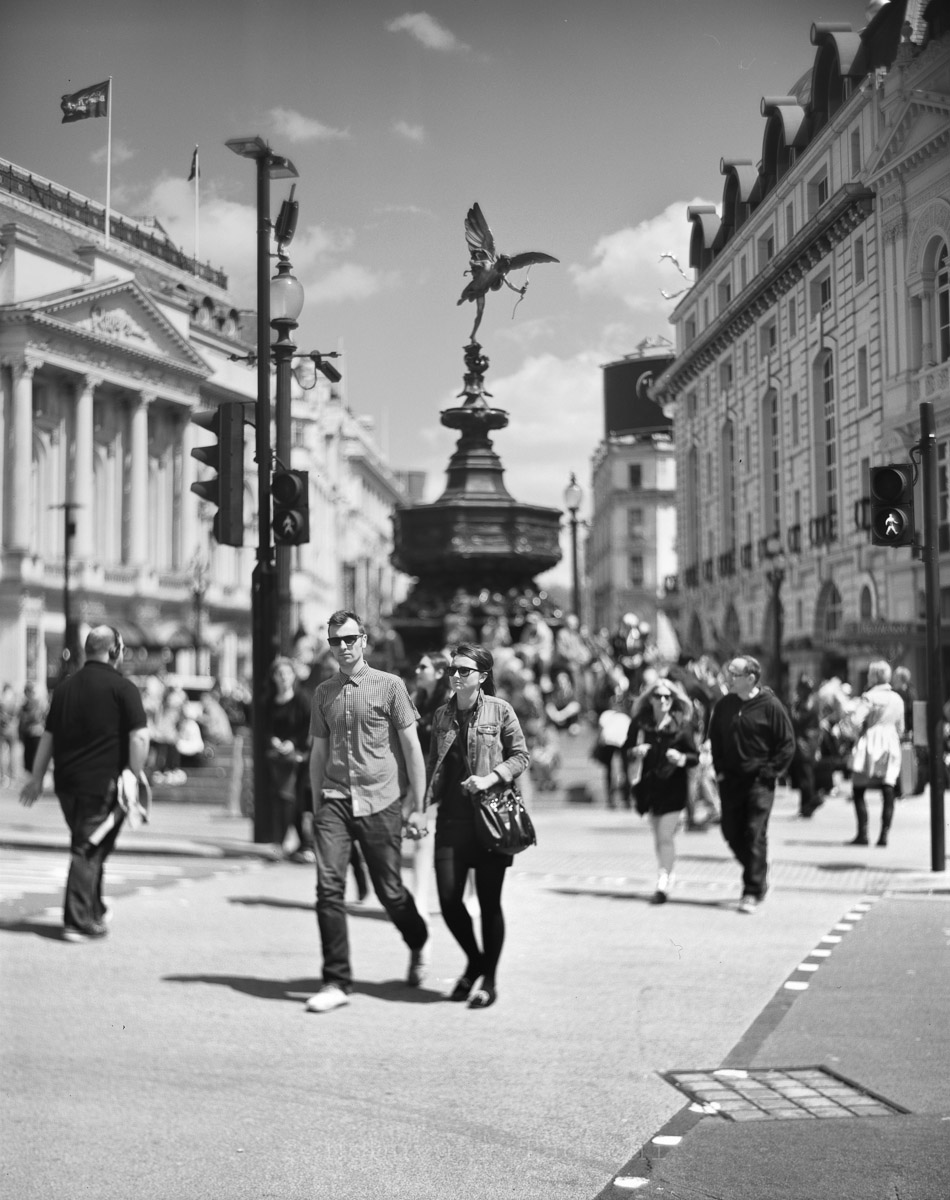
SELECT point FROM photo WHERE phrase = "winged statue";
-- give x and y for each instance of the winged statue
(488, 268)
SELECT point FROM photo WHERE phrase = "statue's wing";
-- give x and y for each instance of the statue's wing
(478, 235)
(530, 258)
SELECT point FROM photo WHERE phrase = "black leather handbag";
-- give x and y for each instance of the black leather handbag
(502, 823)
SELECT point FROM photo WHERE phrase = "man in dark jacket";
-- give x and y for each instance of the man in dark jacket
(95, 733)
(752, 744)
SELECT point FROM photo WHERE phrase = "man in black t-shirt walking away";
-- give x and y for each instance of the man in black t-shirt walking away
(752, 742)
(96, 736)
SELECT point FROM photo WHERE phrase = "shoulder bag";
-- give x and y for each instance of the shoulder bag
(502, 823)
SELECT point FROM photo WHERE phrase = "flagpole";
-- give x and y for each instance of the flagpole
(109, 165)
(197, 185)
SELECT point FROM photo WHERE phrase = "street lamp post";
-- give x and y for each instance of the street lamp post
(70, 656)
(199, 588)
(573, 495)
(286, 301)
(263, 580)
(775, 574)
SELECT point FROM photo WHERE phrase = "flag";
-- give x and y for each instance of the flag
(194, 166)
(90, 102)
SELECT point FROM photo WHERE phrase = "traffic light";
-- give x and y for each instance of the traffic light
(227, 457)
(892, 505)
(290, 491)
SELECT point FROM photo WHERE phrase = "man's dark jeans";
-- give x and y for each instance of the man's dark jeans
(380, 838)
(83, 907)
(746, 807)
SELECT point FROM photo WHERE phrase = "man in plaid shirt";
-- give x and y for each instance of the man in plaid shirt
(366, 771)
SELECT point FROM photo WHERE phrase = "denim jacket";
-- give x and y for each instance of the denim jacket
(495, 742)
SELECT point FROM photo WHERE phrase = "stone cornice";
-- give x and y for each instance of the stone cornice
(848, 208)
(46, 309)
(42, 323)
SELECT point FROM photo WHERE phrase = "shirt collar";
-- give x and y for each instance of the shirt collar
(356, 676)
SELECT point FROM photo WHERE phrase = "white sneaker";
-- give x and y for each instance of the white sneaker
(327, 999)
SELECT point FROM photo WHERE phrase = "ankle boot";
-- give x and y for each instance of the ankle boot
(861, 839)
(882, 840)
(663, 884)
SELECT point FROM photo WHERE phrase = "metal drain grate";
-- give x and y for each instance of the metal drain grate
(779, 1094)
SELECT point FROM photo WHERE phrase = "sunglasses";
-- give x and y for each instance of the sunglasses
(348, 640)
(662, 696)
(464, 672)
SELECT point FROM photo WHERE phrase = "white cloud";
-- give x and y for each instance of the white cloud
(427, 30)
(412, 133)
(121, 153)
(348, 281)
(629, 266)
(408, 210)
(228, 239)
(296, 128)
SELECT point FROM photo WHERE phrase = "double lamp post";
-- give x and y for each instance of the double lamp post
(279, 304)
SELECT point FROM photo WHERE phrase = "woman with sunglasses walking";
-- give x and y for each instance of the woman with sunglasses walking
(661, 744)
(477, 743)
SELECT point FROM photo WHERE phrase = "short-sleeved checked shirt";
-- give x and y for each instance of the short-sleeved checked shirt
(361, 716)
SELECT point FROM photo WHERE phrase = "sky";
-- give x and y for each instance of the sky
(583, 129)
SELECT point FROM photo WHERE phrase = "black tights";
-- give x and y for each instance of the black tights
(861, 808)
(451, 872)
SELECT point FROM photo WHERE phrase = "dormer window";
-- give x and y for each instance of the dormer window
(818, 191)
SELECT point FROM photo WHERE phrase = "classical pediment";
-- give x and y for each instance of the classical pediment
(122, 318)
(920, 130)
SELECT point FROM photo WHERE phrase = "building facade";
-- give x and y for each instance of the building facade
(631, 545)
(818, 321)
(106, 351)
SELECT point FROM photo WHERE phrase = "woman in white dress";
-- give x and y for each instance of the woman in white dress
(876, 761)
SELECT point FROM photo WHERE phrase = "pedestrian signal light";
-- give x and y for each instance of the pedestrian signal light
(892, 505)
(290, 491)
(226, 456)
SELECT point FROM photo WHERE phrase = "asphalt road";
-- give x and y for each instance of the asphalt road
(176, 1059)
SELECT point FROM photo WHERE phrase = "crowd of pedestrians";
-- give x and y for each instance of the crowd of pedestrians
(366, 758)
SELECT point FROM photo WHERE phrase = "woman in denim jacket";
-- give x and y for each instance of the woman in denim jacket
(477, 743)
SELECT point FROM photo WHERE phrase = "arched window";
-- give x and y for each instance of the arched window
(771, 462)
(828, 614)
(866, 604)
(693, 528)
(728, 493)
(826, 435)
(943, 304)
(696, 641)
(731, 633)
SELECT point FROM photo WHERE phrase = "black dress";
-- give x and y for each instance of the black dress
(455, 820)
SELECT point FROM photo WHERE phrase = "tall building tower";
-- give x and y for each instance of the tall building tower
(631, 550)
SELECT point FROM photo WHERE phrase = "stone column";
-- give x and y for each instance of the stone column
(188, 504)
(83, 474)
(927, 322)
(21, 468)
(138, 489)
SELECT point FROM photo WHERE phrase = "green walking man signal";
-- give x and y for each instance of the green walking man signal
(290, 491)
(892, 505)
(226, 490)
